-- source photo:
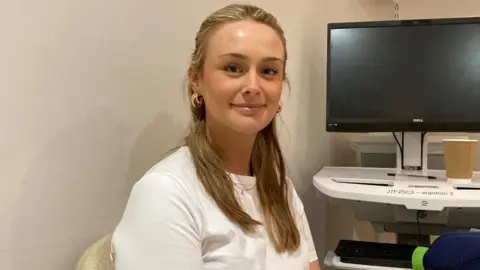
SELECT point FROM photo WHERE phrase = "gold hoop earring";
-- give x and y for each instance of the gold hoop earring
(196, 100)
(279, 109)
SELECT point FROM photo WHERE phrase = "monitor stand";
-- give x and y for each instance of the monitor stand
(412, 155)
(412, 151)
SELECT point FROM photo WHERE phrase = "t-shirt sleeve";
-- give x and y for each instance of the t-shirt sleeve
(159, 228)
(304, 226)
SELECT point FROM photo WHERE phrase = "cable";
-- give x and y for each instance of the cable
(399, 147)
(420, 214)
(419, 232)
(403, 150)
(422, 140)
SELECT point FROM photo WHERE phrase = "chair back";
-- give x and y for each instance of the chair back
(97, 256)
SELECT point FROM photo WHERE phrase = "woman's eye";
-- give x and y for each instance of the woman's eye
(270, 72)
(232, 69)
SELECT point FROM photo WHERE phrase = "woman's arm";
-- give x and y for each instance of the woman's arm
(159, 228)
(314, 265)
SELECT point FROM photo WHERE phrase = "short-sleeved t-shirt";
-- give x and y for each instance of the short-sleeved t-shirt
(171, 222)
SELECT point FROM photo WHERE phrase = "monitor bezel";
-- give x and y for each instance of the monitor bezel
(466, 126)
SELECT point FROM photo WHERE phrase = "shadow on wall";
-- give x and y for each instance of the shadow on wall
(155, 141)
(76, 187)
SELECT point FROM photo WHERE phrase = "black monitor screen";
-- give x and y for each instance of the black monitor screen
(404, 76)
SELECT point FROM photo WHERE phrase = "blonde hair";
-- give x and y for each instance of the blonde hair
(267, 162)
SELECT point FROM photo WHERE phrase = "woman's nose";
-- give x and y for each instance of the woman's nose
(252, 85)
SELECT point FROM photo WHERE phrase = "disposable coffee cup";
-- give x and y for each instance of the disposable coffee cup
(460, 157)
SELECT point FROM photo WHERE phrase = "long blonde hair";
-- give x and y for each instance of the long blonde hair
(267, 162)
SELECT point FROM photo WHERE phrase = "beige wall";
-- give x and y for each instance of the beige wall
(415, 9)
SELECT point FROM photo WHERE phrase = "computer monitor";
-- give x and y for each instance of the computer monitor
(404, 76)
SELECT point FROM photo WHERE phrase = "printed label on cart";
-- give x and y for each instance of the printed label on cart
(401, 192)
(420, 193)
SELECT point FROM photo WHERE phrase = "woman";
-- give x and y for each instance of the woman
(223, 200)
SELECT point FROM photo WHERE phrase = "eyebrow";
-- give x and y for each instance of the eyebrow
(244, 57)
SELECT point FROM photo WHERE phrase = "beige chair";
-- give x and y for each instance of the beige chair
(97, 256)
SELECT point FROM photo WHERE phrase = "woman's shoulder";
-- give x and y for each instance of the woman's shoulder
(164, 205)
(174, 175)
(170, 188)
(178, 164)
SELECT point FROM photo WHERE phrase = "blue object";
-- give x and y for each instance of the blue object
(454, 251)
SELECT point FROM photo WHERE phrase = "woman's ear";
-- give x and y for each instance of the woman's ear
(194, 81)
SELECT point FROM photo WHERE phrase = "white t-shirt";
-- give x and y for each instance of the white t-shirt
(171, 222)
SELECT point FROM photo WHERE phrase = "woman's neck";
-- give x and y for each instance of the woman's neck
(235, 148)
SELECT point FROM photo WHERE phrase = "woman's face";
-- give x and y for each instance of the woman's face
(242, 77)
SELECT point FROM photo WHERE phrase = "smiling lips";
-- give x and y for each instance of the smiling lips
(248, 109)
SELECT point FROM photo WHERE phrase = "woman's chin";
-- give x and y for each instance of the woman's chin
(250, 127)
